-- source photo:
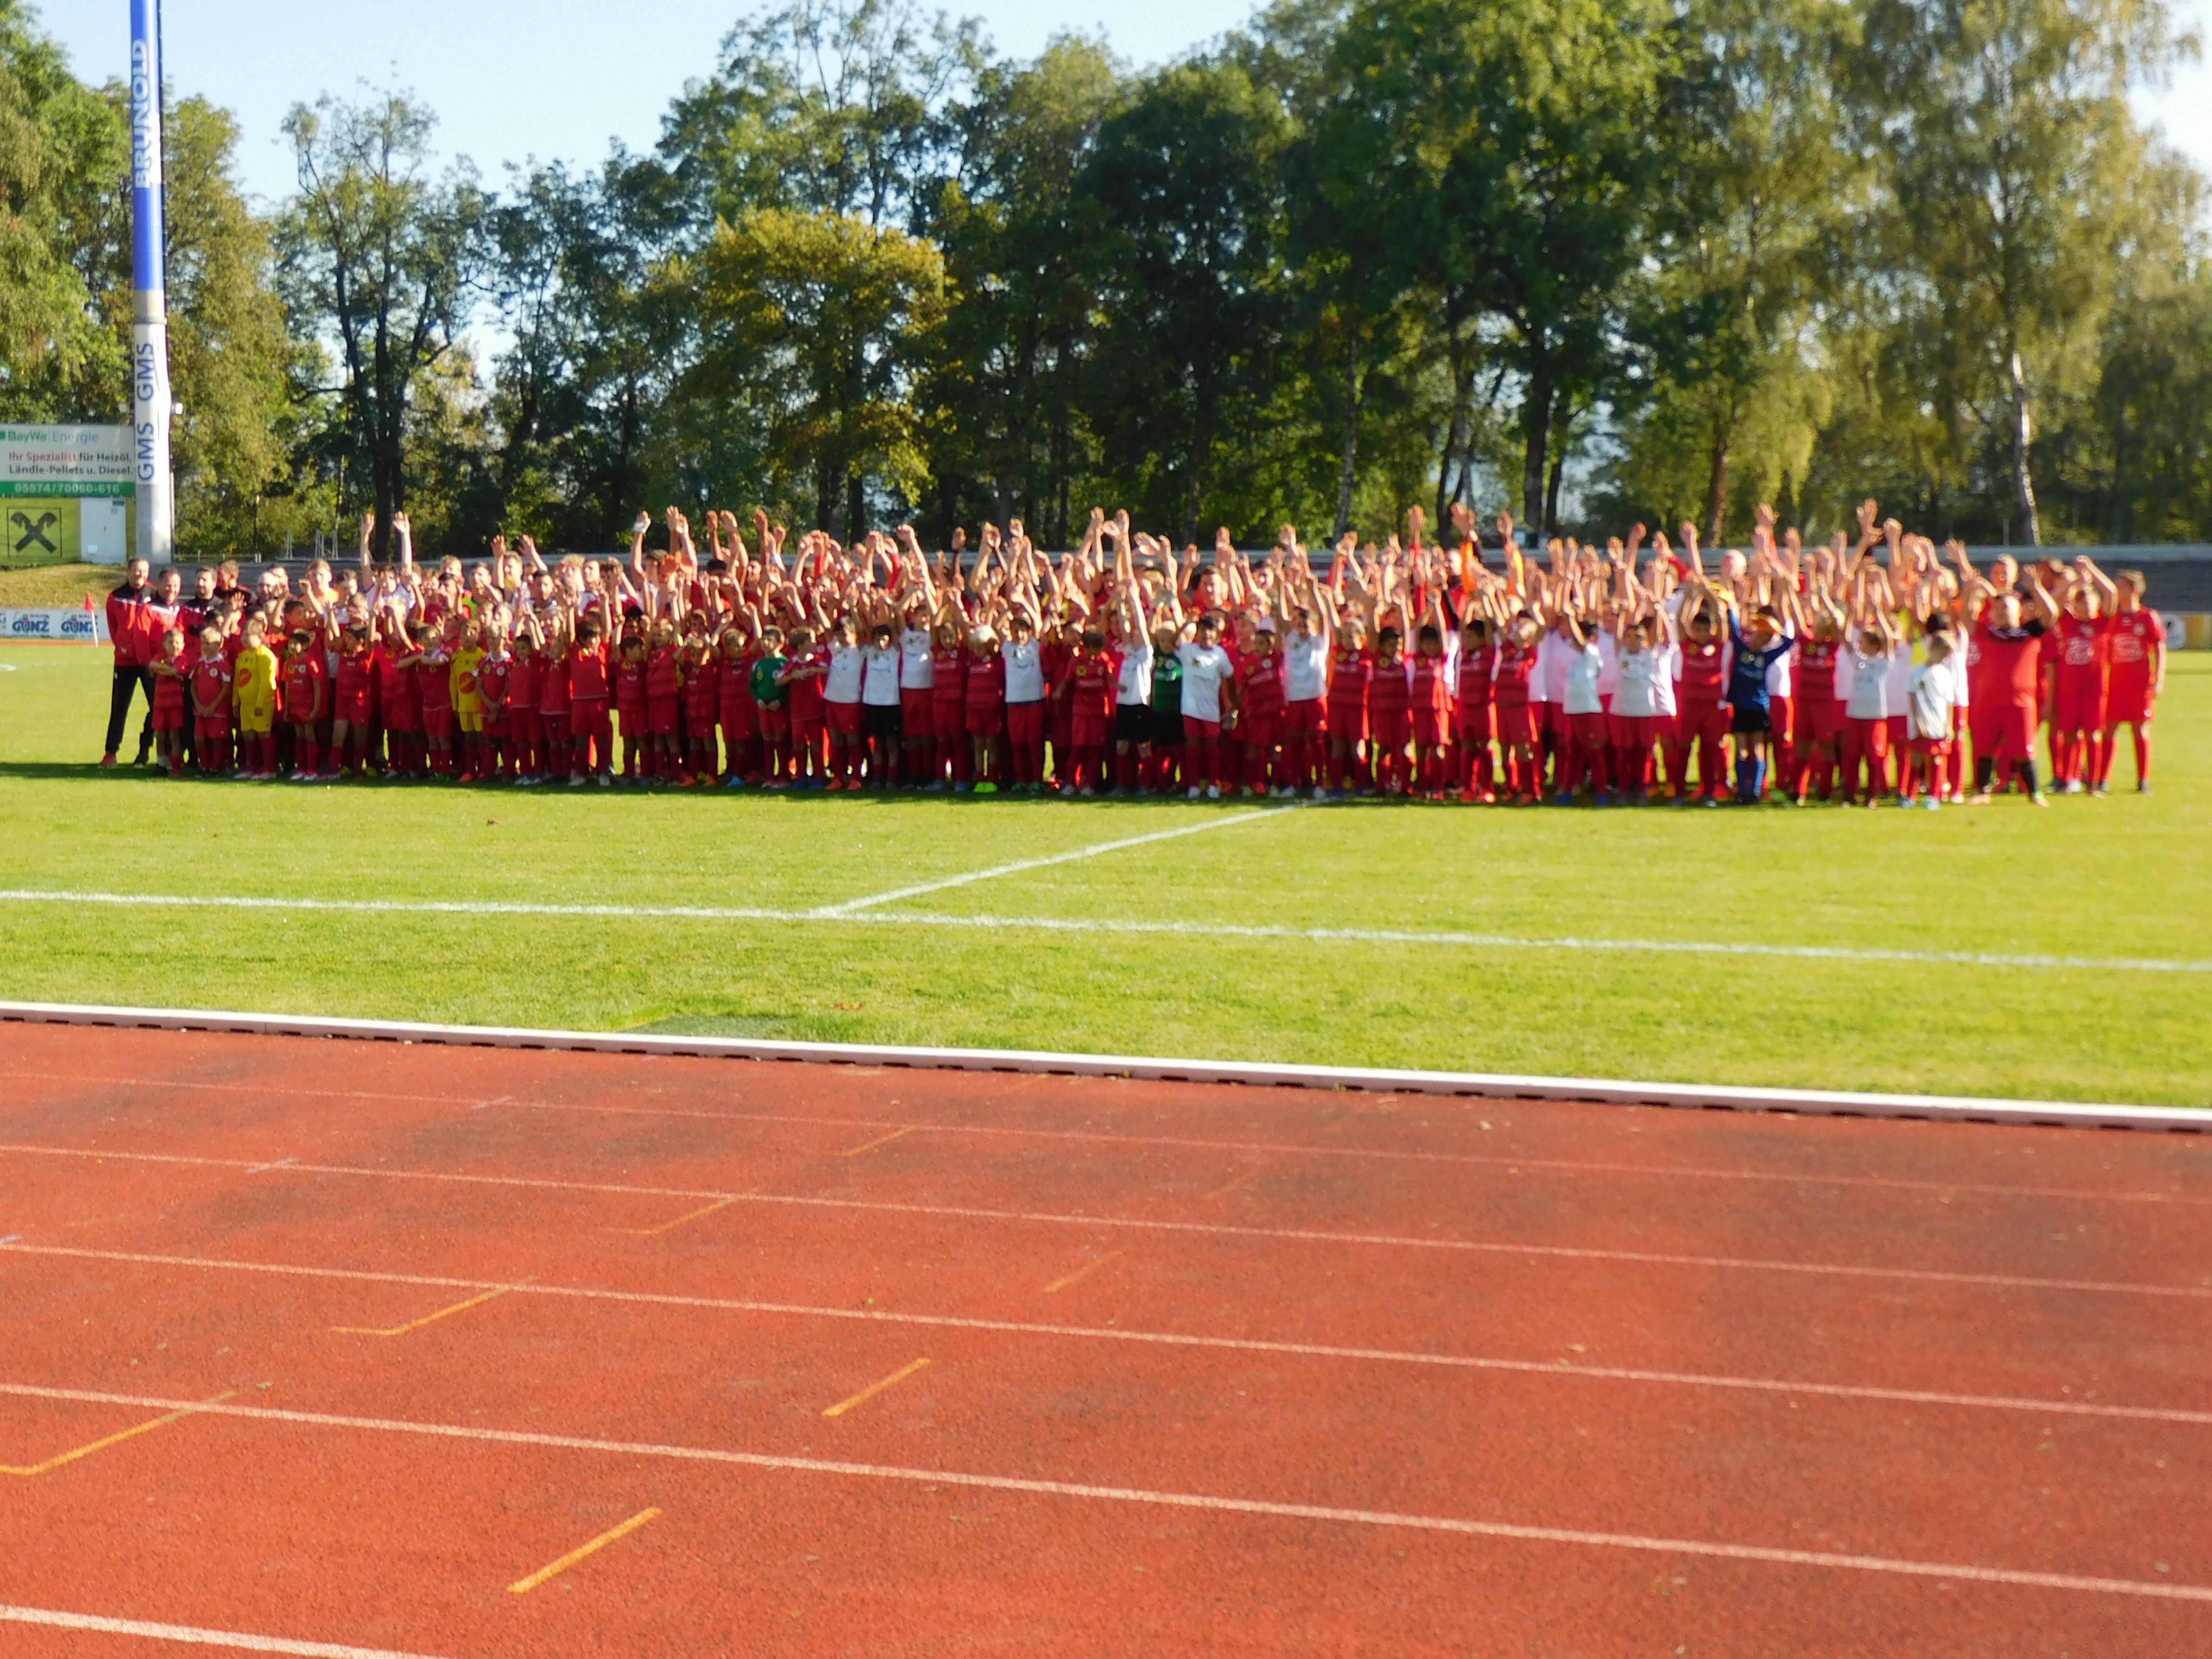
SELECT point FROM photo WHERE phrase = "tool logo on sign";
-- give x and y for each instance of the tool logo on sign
(33, 531)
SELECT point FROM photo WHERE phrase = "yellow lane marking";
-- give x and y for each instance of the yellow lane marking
(874, 1388)
(524, 1586)
(1082, 1273)
(870, 1145)
(671, 1226)
(112, 1439)
(1250, 1174)
(417, 1324)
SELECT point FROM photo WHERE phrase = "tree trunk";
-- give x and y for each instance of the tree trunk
(1536, 434)
(2023, 484)
(1559, 446)
(1716, 488)
(1462, 374)
(1348, 471)
(856, 508)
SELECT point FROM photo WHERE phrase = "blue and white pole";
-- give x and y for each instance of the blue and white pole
(149, 324)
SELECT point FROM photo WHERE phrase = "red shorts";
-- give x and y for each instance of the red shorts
(775, 724)
(352, 708)
(2082, 702)
(918, 713)
(1935, 748)
(845, 720)
(438, 724)
(636, 723)
(2011, 728)
(1025, 722)
(1347, 722)
(1517, 723)
(948, 719)
(2129, 700)
(1782, 719)
(1086, 734)
(662, 716)
(404, 718)
(1471, 723)
(210, 728)
(169, 720)
(1590, 731)
(1261, 730)
(1823, 719)
(1196, 730)
(1307, 714)
(1430, 728)
(1388, 730)
(1642, 730)
(1871, 737)
(986, 720)
(554, 724)
(699, 724)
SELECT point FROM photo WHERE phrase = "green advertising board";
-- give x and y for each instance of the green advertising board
(65, 494)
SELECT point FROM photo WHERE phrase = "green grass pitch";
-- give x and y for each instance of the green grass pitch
(2129, 877)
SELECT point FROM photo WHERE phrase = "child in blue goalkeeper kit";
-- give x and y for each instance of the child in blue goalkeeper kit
(1756, 650)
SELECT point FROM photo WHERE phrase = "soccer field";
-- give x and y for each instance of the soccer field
(2060, 954)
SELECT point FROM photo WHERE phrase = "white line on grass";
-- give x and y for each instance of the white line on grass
(192, 1635)
(850, 906)
(1080, 924)
(1143, 1337)
(1200, 1501)
(1151, 1223)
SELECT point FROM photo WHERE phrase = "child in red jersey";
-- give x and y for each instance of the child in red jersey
(432, 661)
(734, 713)
(1429, 704)
(1512, 667)
(2084, 652)
(954, 757)
(1351, 675)
(306, 679)
(1390, 701)
(397, 694)
(1474, 724)
(2138, 674)
(1701, 718)
(591, 726)
(664, 700)
(2011, 649)
(1088, 683)
(495, 680)
(1260, 708)
(171, 672)
(630, 705)
(350, 693)
(804, 675)
(525, 683)
(553, 704)
(702, 706)
(1822, 691)
(985, 710)
(210, 688)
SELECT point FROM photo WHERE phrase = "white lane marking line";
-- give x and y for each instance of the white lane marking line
(850, 906)
(1218, 1229)
(1200, 1501)
(1111, 924)
(194, 1636)
(281, 1163)
(1701, 1172)
(1160, 1339)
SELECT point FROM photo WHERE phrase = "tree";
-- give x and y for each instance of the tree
(821, 322)
(1186, 182)
(381, 259)
(2001, 122)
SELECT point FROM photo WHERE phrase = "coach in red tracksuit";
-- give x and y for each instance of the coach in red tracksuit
(135, 629)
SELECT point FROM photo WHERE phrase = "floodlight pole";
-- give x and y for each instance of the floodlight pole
(150, 405)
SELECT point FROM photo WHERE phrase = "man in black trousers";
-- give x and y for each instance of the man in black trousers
(130, 622)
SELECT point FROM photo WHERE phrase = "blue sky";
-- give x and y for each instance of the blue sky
(511, 79)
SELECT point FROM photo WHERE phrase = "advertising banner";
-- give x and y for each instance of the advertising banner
(67, 460)
(86, 627)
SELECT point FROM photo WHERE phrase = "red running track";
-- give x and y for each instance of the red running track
(331, 1343)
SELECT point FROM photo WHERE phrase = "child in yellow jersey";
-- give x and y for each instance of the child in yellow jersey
(253, 692)
(468, 702)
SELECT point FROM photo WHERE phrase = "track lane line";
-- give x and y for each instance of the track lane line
(194, 1636)
(29, 1470)
(1204, 1502)
(1700, 1172)
(583, 1552)
(1164, 1338)
(1207, 1229)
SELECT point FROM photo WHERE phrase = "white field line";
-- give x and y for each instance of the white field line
(192, 1635)
(1144, 1338)
(1199, 1501)
(828, 912)
(1112, 925)
(1143, 1224)
(1185, 1143)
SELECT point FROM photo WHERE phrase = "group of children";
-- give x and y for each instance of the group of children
(1862, 670)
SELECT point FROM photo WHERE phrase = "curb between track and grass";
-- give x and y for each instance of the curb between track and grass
(1466, 1085)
